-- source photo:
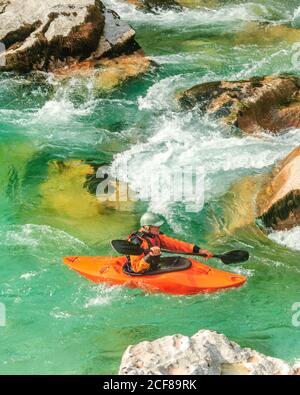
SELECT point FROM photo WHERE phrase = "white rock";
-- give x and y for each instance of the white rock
(205, 353)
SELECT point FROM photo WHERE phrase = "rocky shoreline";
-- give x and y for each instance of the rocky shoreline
(205, 353)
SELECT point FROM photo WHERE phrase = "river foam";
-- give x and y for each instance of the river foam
(287, 238)
(250, 11)
(105, 295)
(178, 140)
(39, 239)
(296, 18)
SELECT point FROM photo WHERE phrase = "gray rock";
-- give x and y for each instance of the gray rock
(116, 33)
(205, 353)
(45, 35)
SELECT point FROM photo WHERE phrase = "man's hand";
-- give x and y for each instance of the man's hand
(154, 251)
(206, 254)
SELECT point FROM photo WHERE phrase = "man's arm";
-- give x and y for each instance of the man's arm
(169, 243)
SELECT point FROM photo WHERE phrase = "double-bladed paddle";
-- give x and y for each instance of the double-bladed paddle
(125, 247)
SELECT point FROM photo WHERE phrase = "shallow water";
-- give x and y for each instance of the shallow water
(58, 322)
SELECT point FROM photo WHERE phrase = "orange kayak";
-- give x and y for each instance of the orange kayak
(199, 278)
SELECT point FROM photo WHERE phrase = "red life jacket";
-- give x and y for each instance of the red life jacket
(152, 240)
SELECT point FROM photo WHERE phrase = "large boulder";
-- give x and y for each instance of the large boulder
(205, 353)
(50, 35)
(278, 203)
(259, 104)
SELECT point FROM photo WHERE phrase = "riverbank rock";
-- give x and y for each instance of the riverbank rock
(62, 36)
(259, 104)
(205, 353)
(278, 203)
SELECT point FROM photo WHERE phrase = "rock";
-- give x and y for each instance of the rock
(239, 205)
(201, 3)
(296, 368)
(70, 189)
(278, 203)
(259, 104)
(117, 70)
(38, 32)
(116, 33)
(108, 72)
(177, 5)
(62, 35)
(205, 353)
(265, 33)
(156, 5)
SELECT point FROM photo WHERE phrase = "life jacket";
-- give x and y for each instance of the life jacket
(138, 238)
(148, 240)
(151, 239)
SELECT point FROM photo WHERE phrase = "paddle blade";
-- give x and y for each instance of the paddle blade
(124, 247)
(236, 256)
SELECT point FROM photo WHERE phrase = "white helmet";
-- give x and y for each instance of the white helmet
(151, 219)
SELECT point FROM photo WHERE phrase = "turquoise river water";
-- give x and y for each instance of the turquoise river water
(57, 321)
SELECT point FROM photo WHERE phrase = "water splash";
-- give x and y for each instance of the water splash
(28, 276)
(180, 139)
(38, 239)
(296, 18)
(104, 296)
(287, 238)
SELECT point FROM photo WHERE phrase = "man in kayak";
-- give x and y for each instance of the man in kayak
(150, 237)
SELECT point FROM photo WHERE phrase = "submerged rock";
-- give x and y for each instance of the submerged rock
(201, 3)
(156, 5)
(55, 35)
(88, 205)
(177, 5)
(108, 72)
(239, 205)
(259, 104)
(71, 188)
(278, 203)
(265, 33)
(205, 353)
